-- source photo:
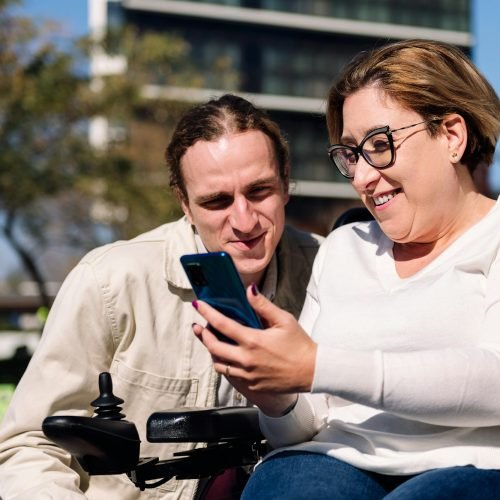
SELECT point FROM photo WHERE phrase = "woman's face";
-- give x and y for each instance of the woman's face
(415, 199)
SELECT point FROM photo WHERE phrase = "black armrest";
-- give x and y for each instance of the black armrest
(101, 446)
(207, 425)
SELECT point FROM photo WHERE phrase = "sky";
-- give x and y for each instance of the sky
(72, 16)
(486, 55)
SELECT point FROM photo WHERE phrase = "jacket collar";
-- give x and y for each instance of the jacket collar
(179, 241)
(184, 239)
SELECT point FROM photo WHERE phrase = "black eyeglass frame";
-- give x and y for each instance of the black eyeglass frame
(358, 150)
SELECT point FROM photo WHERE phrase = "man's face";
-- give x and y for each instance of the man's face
(236, 199)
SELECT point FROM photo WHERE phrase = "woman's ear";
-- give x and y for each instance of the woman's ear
(456, 135)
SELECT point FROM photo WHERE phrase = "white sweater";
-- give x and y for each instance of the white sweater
(408, 370)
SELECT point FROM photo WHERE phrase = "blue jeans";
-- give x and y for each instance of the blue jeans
(301, 475)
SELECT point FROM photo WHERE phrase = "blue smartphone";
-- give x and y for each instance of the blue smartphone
(216, 281)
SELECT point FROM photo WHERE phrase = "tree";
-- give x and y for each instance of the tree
(54, 186)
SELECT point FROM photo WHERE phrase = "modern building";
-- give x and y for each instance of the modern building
(285, 54)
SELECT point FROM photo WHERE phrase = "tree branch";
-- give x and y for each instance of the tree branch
(26, 258)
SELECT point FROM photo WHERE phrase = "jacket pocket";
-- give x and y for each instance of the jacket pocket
(161, 392)
(144, 393)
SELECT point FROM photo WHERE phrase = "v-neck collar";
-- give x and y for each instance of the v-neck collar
(386, 265)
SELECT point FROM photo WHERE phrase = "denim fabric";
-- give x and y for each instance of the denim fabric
(307, 476)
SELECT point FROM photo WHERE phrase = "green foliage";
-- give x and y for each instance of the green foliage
(55, 187)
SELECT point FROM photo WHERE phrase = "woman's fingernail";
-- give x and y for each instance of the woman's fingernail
(197, 335)
(195, 304)
(254, 289)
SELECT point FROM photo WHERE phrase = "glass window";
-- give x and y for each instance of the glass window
(308, 140)
(302, 68)
(235, 3)
(445, 14)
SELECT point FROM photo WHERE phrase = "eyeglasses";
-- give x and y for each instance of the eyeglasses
(377, 148)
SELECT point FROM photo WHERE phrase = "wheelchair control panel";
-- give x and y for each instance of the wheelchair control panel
(107, 443)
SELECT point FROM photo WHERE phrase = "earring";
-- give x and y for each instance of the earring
(454, 156)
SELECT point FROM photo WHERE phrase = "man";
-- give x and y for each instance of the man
(126, 308)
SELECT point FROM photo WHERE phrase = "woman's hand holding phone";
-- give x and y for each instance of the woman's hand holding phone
(268, 366)
(216, 281)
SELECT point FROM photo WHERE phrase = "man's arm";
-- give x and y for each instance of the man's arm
(61, 378)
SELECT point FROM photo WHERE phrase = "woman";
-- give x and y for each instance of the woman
(399, 382)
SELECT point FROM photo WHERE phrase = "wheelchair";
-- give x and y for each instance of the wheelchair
(109, 444)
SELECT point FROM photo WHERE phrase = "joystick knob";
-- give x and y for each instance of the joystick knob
(107, 403)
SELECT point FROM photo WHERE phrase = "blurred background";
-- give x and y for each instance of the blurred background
(91, 89)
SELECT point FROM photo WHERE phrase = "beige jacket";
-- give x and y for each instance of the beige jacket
(125, 308)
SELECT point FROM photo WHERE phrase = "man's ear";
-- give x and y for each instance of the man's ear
(456, 135)
(287, 196)
(185, 208)
(286, 184)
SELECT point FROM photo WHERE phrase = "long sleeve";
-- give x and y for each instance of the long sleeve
(125, 309)
(407, 374)
(308, 415)
(446, 368)
(61, 377)
(301, 424)
(426, 349)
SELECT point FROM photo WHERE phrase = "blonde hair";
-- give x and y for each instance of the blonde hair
(432, 78)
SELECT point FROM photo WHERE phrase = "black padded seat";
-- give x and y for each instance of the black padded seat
(354, 214)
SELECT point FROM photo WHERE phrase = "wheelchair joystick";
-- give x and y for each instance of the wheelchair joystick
(103, 444)
(107, 403)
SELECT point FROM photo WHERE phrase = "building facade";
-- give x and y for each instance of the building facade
(285, 54)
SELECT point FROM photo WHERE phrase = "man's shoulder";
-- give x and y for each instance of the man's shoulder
(296, 253)
(301, 238)
(140, 248)
(298, 248)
